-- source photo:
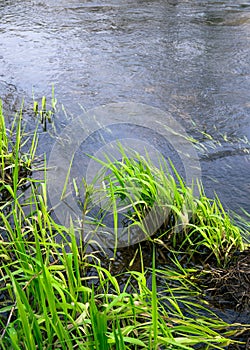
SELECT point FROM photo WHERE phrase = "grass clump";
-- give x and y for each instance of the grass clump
(155, 202)
(43, 111)
(15, 156)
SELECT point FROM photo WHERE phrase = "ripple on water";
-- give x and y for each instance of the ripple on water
(187, 57)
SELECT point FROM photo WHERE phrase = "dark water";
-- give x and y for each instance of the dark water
(190, 58)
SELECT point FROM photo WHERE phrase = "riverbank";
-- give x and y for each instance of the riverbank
(59, 292)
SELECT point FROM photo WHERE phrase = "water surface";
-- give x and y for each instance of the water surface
(190, 58)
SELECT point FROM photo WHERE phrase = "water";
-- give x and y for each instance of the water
(189, 58)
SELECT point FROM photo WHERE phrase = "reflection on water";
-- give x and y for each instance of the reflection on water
(189, 58)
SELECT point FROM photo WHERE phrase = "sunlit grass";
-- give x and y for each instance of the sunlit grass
(44, 111)
(51, 301)
(156, 201)
(17, 152)
(54, 294)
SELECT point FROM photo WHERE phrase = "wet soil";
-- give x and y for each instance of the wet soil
(228, 290)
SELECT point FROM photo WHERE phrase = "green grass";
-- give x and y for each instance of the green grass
(56, 295)
(17, 153)
(155, 201)
(52, 301)
(43, 111)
